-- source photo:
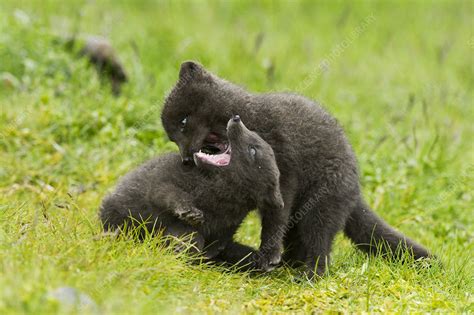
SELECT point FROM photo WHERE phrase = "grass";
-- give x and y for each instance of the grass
(398, 75)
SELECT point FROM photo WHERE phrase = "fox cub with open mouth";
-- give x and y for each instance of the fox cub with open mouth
(208, 205)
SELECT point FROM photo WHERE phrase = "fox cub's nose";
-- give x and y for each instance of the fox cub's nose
(188, 160)
(234, 123)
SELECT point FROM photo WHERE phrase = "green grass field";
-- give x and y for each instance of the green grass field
(399, 76)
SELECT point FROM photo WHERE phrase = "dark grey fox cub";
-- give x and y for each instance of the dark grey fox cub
(209, 204)
(319, 175)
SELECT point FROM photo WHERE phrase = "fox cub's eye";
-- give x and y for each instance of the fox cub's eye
(183, 123)
(252, 151)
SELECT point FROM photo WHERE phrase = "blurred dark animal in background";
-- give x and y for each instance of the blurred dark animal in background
(101, 54)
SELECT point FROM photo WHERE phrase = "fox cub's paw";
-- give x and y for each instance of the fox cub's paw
(266, 261)
(190, 214)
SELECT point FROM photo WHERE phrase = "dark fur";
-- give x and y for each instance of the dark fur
(102, 55)
(210, 203)
(319, 175)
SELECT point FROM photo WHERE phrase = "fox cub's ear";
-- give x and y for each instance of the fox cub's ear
(191, 70)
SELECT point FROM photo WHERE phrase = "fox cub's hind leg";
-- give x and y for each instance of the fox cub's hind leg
(238, 255)
(183, 237)
(317, 230)
(294, 254)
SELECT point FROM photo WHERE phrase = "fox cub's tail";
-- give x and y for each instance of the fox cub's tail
(373, 235)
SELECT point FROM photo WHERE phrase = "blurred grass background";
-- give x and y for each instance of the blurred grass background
(398, 75)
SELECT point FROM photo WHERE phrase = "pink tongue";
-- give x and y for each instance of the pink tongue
(217, 160)
(223, 161)
(220, 159)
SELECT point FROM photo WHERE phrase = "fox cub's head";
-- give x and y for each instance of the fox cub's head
(196, 112)
(251, 158)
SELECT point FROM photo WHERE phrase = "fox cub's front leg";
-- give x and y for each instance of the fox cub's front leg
(188, 213)
(178, 202)
(274, 220)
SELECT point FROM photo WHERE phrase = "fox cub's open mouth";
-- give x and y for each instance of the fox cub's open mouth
(214, 152)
